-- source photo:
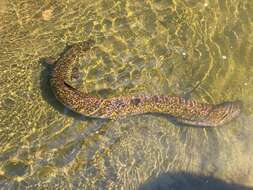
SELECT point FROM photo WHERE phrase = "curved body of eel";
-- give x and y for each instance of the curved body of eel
(184, 111)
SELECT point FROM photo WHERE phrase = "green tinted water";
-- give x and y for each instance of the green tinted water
(199, 49)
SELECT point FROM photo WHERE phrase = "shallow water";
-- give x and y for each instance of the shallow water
(198, 49)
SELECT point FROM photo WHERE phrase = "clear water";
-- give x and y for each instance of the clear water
(199, 49)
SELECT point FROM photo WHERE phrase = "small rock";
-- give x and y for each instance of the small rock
(47, 14)
(224, 57)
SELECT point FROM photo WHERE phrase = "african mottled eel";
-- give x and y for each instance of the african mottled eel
(182, 110)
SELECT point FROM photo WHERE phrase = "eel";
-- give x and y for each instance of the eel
(184, 111)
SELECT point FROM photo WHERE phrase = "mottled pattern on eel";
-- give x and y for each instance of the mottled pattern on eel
(182, 110)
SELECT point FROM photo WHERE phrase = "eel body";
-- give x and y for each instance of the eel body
(182, 110)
